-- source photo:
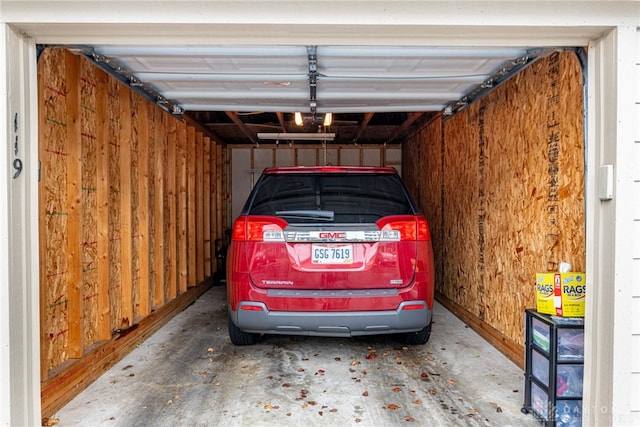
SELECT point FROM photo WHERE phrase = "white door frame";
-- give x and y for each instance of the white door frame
(19, 271)
(612, 369)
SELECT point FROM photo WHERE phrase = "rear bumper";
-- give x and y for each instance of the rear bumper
(255, 317)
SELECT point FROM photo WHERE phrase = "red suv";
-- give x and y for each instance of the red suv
(330, 251)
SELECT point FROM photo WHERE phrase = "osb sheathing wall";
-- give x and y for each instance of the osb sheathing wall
(502, 185)
(130, 209)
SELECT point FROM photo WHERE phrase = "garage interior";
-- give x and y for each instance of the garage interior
(147, 152)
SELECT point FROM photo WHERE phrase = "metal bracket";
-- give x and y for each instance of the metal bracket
(312, 58)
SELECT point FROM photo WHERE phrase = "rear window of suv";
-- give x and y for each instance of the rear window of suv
(330, 197)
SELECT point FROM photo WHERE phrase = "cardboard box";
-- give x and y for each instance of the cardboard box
(561, 294)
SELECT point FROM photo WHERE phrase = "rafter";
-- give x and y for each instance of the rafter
(363, 126)
(244, 128)
(404, 126)
(281, 121)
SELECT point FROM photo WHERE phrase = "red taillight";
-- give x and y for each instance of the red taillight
(258, 228)
(423, 229)
(409, 227)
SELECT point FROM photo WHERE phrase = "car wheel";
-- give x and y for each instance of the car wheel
(418, 338)
(240, 337)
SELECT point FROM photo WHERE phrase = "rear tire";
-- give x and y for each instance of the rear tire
(417, 338)
(240, 337)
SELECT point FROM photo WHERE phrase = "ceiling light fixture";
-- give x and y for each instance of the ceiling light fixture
(308, 136)
(298, 118)
(327, 119)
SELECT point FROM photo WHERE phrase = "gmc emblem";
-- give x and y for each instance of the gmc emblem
(332, 235)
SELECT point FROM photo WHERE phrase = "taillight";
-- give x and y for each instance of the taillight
(404, 227)
(423, 229)
(259, 229)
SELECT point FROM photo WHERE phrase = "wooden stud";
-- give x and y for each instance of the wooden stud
(136, 102)
(221, 194)
(152, 149)
(214, 236)
(181, 179)
(171, 184)
(115, 273)
(206, 200)
(102, 201)
(124, 141)
(199, 188)
(158, 209)
(74, 207)
(142, 213)
(191, 207)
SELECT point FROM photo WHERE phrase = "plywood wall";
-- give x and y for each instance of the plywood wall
(126, 229)
(502, 185)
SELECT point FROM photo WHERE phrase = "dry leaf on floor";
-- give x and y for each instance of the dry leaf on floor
(50, 421)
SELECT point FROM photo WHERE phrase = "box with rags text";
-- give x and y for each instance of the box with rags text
(561, 294)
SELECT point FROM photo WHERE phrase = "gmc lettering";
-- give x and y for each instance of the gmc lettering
(332, 235)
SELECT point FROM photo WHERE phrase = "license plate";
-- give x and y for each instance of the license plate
(325, 254)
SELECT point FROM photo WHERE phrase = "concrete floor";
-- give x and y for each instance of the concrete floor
(189, 374)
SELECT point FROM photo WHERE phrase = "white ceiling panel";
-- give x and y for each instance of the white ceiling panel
(320, 78)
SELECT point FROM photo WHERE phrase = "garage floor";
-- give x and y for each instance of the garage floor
(189, 374)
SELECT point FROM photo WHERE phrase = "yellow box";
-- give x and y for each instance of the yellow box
(561, 294)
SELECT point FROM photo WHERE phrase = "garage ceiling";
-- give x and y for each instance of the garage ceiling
(244, 94)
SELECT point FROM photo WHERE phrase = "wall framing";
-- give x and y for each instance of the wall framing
(108, 220)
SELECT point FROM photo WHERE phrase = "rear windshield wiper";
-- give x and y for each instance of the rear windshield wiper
(306, 214)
